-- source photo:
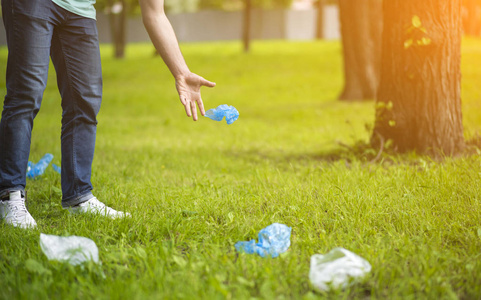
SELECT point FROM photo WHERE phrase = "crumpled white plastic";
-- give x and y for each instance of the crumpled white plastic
(336, 268)
(72, 249)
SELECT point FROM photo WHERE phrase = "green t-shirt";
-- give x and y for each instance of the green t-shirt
(84, 8)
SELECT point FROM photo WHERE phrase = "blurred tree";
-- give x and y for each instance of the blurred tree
(361, 27)
(118, 23)
(246, 31)
(472, 17)
(263, 4)
(419, 104)
(320, 4)
(117, 11)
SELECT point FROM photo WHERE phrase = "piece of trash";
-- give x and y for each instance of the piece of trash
(336, 269)
(37, 169)
(217, 114)
(273, 240)
(57, 168)
(72, 249)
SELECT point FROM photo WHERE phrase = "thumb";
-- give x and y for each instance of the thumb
(207, 83)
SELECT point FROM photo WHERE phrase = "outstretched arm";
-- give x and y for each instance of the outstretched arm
(163, 37)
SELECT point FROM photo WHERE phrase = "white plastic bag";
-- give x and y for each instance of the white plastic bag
(73, 249)
(336, 268)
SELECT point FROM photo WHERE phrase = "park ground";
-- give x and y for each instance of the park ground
(295, 156)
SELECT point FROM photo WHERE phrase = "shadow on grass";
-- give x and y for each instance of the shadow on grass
(360, 152)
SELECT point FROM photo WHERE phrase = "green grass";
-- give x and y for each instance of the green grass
(195, 189)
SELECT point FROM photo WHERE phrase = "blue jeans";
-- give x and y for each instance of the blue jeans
(37, 30)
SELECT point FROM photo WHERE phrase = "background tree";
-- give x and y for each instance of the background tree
(419, 103)
(246, 28)
(117, 11)
(361, 26)
(118, 24)
(247, 6)
(320, 4)
(262, 4)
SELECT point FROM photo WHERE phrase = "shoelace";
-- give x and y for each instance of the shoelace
(18, 208)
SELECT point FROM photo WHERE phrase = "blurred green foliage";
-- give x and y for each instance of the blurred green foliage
(176, 6)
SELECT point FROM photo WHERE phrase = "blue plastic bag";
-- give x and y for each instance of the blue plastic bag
(217, 114)
(57, 168)
(37, 169)
(273, 240)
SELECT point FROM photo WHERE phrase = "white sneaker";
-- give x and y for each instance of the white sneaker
(13, 211)
(94, 206)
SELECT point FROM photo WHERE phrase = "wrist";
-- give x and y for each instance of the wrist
(181, 75)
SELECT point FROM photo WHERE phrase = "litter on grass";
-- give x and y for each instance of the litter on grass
(273, 240)
(336, 269)
(72, 249)
(57, 168)
(217, 114)
(38, 169)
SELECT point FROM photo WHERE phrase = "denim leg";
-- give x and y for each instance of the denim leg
(28, 38)
(76, 57)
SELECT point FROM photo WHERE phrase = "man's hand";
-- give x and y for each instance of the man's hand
(163, 37)
(188, 87)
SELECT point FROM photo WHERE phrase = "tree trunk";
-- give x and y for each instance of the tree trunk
(361, 25)
(419, 103)
(247, 25)
(118, 20)
(320, 19)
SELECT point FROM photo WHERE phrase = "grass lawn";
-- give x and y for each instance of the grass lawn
(195, 189)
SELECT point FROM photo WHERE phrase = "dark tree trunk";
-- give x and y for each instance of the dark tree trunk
(419, 103)
(246, 36)
(118, 20)
(361, 25)
(320, 19)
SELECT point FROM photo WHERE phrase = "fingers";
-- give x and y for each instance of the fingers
(188, 110)
(189, 91)
(194, 110)
(201, 106)
(207, 83)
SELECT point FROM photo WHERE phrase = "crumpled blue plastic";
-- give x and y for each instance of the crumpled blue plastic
(38, 169)
(273, 240)
(57, 168)
(228, 111)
